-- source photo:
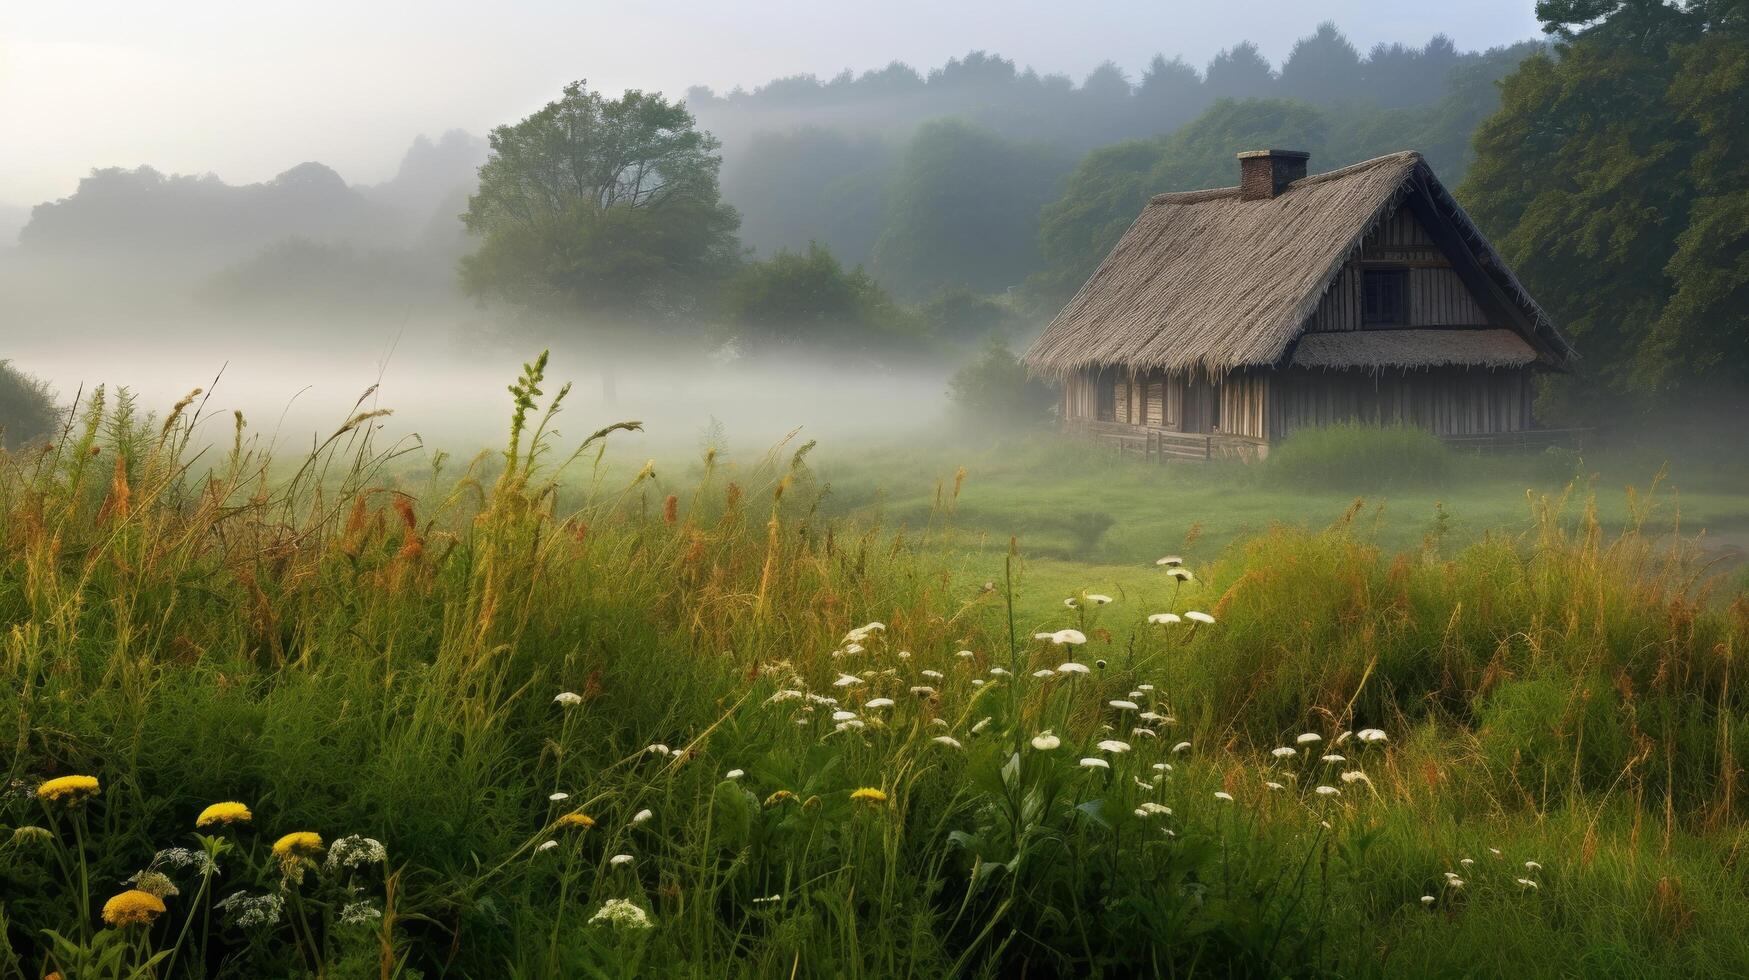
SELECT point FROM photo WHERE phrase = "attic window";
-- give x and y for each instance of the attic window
(1386, 299)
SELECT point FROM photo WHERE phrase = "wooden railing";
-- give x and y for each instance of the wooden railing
(1159, 445)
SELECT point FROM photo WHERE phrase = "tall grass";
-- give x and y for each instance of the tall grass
(1358, 456)
(806, 747)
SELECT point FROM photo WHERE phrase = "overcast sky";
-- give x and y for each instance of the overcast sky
(247, 90)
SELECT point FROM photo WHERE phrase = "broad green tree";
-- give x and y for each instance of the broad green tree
(807, 300)
(604, 210)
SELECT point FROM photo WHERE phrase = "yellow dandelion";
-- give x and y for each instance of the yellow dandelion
(68, 789)
(779, 797)
(870, 795)
(302, 843)
(577, 819)
(133, 908)
(223, 813)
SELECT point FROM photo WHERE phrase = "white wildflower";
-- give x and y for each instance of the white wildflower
(1165, 619)
(947, 740)
(1122, 705)
(1093, 763)
(1113, 746)
(568, 699)
(1045, 741)
(1199, 617)
(620, 913)
(1327, 791)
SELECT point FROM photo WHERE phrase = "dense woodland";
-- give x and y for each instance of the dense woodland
(900, 214)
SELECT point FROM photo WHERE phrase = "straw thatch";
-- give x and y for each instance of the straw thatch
(1381, 349)
(1206, 282)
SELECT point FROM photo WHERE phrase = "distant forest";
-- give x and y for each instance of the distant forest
(977, 175)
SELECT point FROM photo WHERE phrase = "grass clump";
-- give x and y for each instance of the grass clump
(1356, 456)
(27, 406)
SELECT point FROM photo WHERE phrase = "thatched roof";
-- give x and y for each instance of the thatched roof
(1207, 282)
(1381, 349)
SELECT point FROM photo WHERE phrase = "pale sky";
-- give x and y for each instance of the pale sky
(247, 90)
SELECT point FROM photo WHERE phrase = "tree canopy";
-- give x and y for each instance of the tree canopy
(608, 208)
(1613, 178)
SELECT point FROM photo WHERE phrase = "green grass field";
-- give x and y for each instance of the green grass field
(365, 715)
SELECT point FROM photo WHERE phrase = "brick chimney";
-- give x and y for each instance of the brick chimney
(1266, 173)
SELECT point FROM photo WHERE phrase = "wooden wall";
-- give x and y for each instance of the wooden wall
(1437, 296)
(1449, 402)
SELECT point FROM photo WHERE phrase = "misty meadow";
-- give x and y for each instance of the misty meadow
(1215, 516)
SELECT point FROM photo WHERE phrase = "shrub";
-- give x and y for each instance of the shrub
(27, 406)
(1358, 456)
(994, 391)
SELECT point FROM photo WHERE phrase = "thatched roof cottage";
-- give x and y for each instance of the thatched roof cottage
(1225, 319)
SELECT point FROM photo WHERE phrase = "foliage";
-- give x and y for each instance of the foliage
(1612, 179)
(1361, 457)
(463, 671)
(961, 316)
(808, 300)
(963, 210)
(995, 391)
(601, 208)
(27, 406)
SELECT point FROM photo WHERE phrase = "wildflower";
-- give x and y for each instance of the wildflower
(1223, 795)
(879, 703)
(734, 774)
(1164, 619)
(1495, 851)
(223, 813)
(947, 740)
(302, 843)
(847, 680)
(620, 913)
(29, 834)
(1092, 763)
(1097, 599)
(1532, 866)
(1333, 758)
(1144, 687)
(1180, 573)
(1113, 746)
(851, 725)
(1070, 602)
(1073, 668)
(247, 910)
(938, 722)
(154, 883)
(1170, 561)
(768, 899)
(620, 860)
(132, 908)
(71, 790)
(658, 749)
(568, 699)
(1144, 732)
(557, 797)
(965, 655)
(1045, 741)
(843, 715)
(1181, 747)
(359, 914)
(1163, 767)
(1342, 738)
(785, 695)
(1151, 716)
(999, 672)
(1356, 776)
(1309, 738)
(546, 845)
(1371, 735)
(1071, 637)
(933, 675)
(980, 726)
(822, 699)
(869, 795)
(1199, 617)
(1044, 672)
(1284, 752)
(183, 857)
(641, 817)
(778, 797)
(1123, 705)
(1099, 663)
(1428, 900)
(577, 819)
(1274, 785)
(1526, 882)
(1327, 791)
(353, 851)
(1154, 809)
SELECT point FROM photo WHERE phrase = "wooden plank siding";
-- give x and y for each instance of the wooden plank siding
(1447, 402)
(1437, 295)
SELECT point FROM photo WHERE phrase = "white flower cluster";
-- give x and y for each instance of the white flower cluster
(360, 914)
(248, 911)
(353, 851)
(620, 913)
(183, 857)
